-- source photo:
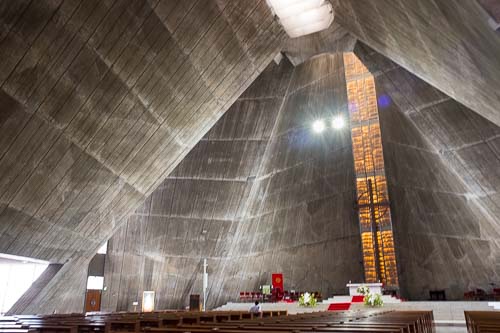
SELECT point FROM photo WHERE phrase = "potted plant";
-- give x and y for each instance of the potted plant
(373, 300)
(370, 299)
(307, 299)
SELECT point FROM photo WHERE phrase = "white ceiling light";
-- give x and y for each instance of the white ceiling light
(302, 17)
(338, 122)
(318, 126)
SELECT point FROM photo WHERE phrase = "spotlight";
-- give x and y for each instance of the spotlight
(318, 126)
(338, 122)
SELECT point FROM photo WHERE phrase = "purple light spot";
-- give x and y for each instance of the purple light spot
(353, 106)
(384, 101)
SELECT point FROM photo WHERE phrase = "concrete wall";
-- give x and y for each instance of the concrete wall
(259, 194)
(300, 218)
(442, 168)
(99, 102)
(449, 44)
(194, 213)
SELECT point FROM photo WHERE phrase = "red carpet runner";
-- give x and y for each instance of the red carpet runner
(339, 306)
(358, 299)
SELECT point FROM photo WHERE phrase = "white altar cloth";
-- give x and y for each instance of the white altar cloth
(375, 288)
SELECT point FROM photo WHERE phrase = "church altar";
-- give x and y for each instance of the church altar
(375, 288)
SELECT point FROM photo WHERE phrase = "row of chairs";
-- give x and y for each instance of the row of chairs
(482, 295)
(248, 296)
(482, 321)
(276, 295)
(120, 321)
(349, 321)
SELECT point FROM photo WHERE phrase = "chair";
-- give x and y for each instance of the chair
(437, 295)
(469, 295)
(481, 294)
(496, 294)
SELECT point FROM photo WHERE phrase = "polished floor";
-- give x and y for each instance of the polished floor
(451, 329)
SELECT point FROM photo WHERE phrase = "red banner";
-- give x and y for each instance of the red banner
(278, 281)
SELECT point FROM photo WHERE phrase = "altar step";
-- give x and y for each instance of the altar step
(349, 299)
(292, 308)
(494, 305)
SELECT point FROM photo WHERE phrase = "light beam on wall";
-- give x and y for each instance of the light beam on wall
(302, 17)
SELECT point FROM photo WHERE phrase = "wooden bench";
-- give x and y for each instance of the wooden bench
(369, 321)
(482, 321)
(377, 320)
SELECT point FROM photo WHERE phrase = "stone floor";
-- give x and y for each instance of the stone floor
(451, 329)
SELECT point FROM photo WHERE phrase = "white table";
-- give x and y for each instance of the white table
(375, 288)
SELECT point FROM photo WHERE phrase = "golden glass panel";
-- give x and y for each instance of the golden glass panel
(369, 167)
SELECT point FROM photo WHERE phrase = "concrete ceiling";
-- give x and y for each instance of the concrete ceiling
(448, 44)
(100, 100)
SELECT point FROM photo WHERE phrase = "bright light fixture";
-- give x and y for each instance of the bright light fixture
(338, 122)
(318, 126)
(302, 17)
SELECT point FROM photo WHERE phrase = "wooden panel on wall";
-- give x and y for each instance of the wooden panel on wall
(93, 301)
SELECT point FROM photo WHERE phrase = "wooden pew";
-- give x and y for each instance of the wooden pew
(378, 321)
(482, 321)
(370, 321)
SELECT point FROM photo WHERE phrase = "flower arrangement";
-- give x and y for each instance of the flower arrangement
(373, 300)
(363, 290)
(307, 299)
(370, 299)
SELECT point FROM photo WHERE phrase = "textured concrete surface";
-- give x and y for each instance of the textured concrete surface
(492, 7)
(449, 44)
(300, 220)
(442, 166)
(259, 194)
(102, 99)
(195, 211)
